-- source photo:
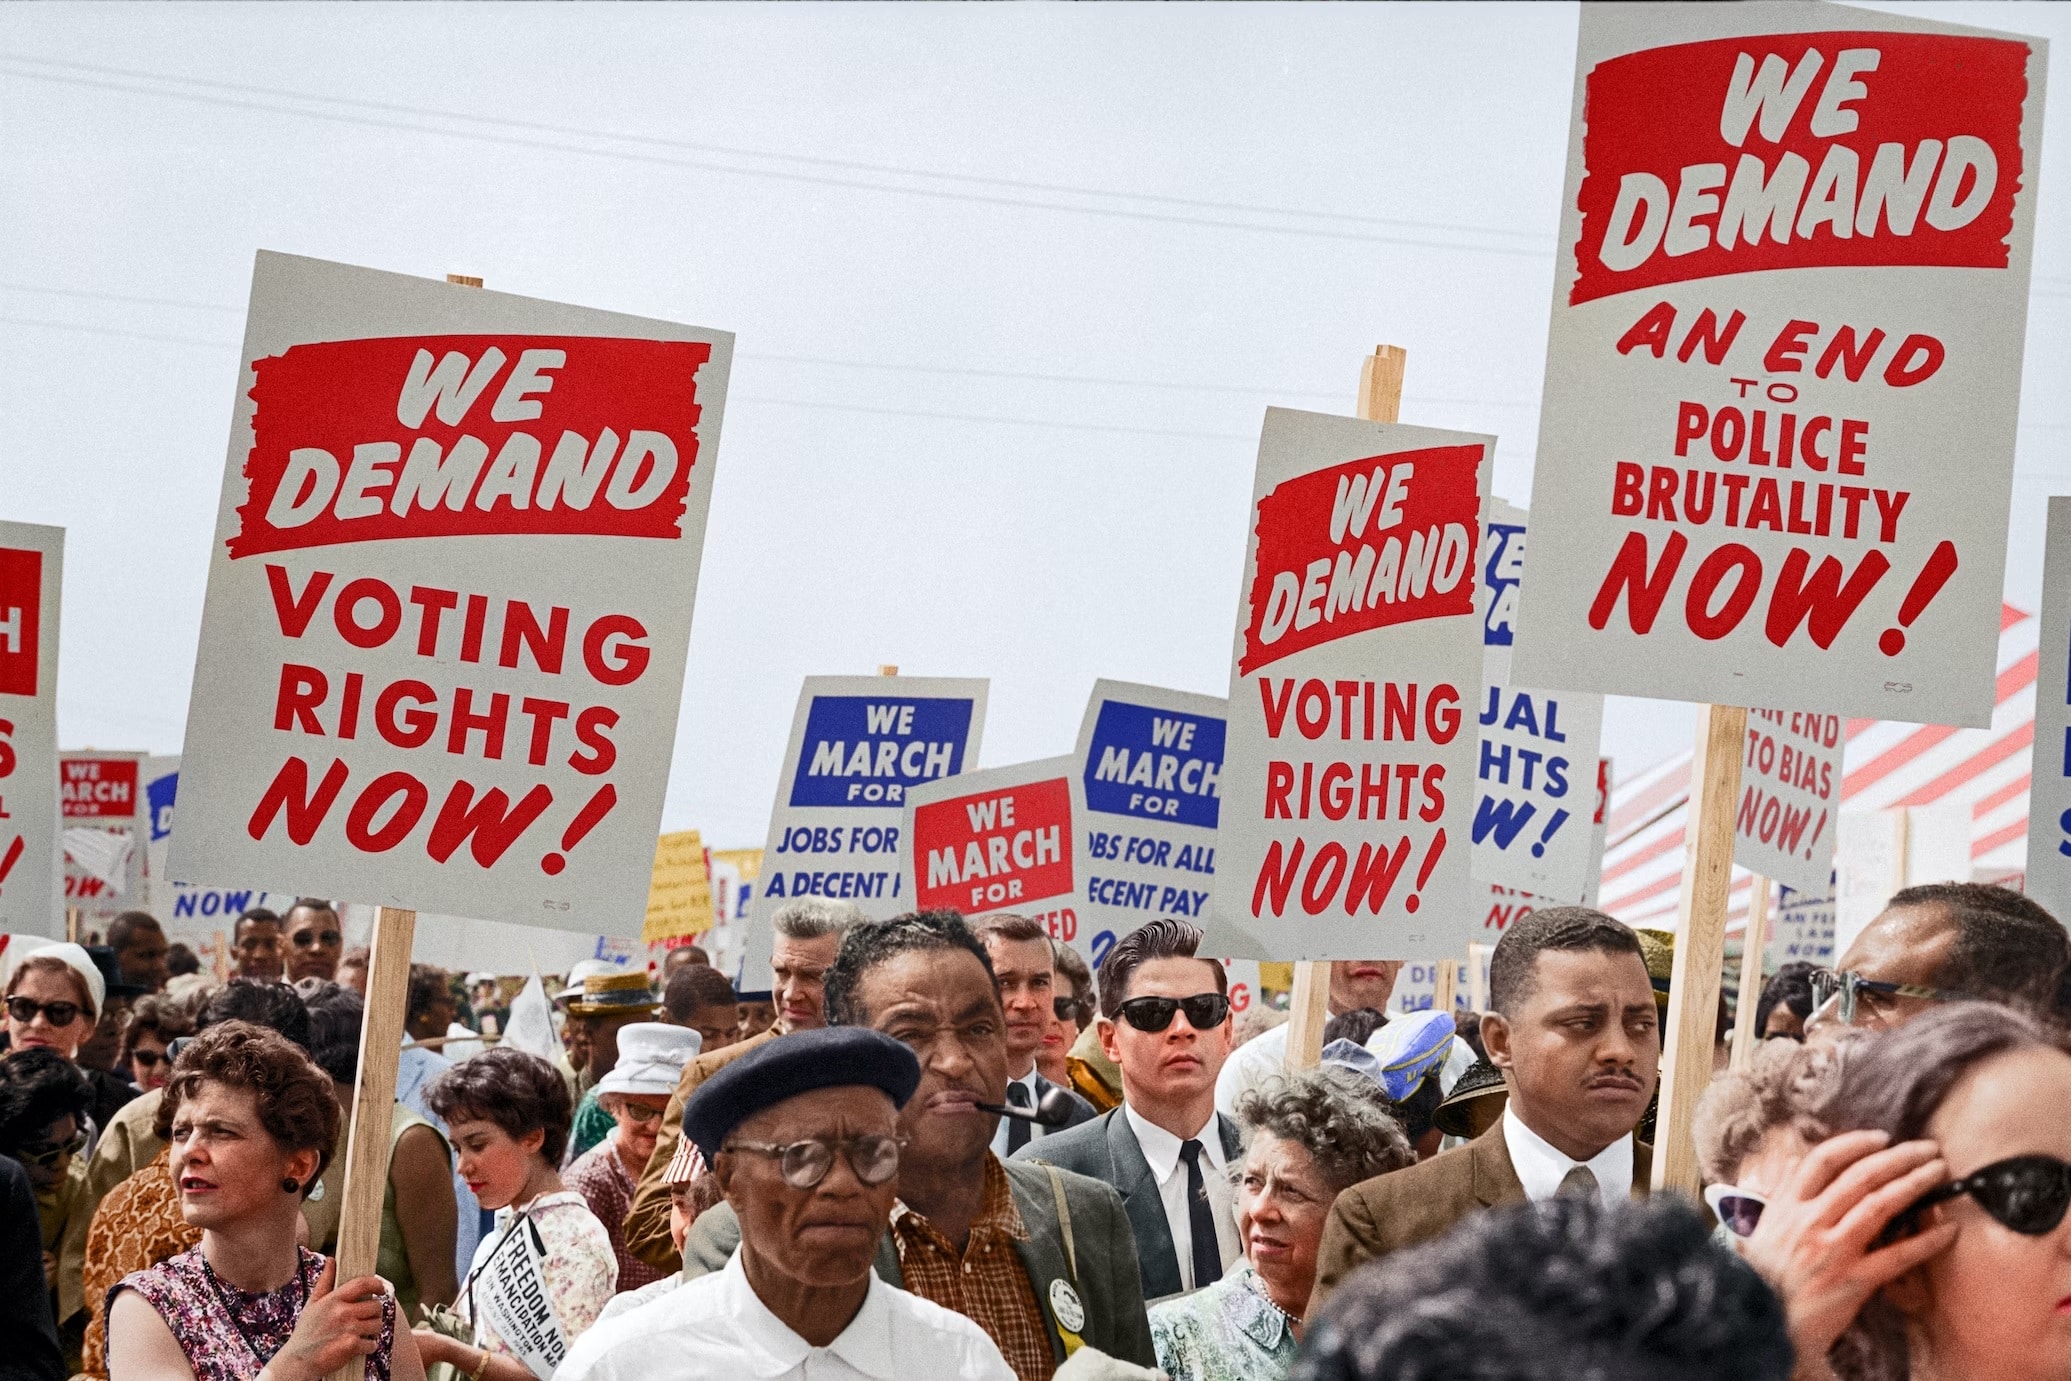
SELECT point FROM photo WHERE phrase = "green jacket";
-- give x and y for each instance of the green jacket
(1103, 1249)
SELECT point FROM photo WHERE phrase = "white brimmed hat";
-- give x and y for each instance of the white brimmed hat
(651, 1057)
(73, 957)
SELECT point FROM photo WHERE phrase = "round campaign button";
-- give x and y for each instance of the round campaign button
(1064, 1303)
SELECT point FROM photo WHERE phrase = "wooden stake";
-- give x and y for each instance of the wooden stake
(222, 958)
(888, 669)
(1752, 948)
(463, 280)
(373, 1095)
(1380, 400)
(1445, 995)
(1700, 946)
(1477, 976)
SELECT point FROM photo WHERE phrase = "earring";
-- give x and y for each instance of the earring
(290, 1185)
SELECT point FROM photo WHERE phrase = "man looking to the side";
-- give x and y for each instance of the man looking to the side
(1165, 1020)
(1025, 971)
(807, 935)
(1574, 1029)
(314, 940)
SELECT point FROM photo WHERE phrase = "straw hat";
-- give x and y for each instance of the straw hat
(1657, 947)
(651, 1056)
(616, 993)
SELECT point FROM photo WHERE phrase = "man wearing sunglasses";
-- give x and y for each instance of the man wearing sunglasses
(1165, 1020)
(803, 1136)
(1936, 943)
(1574, 1029)
(314, 940)
(1026, 974)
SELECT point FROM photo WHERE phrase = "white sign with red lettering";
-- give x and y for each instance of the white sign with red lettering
(1790, 798)
(1002, 839)
(1777, 438)
(1348, 779)
(32, 562)
(449, 598)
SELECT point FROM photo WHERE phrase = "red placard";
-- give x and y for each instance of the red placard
(98, 788)
(21, 607)
(994, 849)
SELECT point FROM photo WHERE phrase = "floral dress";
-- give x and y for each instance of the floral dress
(230, 1334)
(579, 1267)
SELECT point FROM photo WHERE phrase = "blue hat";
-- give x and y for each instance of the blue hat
(801, 1062)
(1410, 1047)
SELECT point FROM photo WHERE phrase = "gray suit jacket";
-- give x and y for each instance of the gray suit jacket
(1103, 1251)
(1106, 1149)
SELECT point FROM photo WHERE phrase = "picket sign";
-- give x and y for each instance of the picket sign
(1752, 948)
(1380, 400)
(31, 858)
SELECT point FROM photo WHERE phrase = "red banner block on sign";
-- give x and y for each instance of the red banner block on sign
(21, 607)
(994, 849)
(98, 788)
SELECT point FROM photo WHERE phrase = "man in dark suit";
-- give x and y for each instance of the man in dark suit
(1575, 1030)
(1026, 972)
(1165, 1020)
(1041, 1259)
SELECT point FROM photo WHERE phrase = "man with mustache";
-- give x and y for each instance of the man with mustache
(802, 1134)
(1572, 1026)
(1041, 1259)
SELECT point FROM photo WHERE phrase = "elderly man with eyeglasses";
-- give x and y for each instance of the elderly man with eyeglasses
(803, 1135)
(1935, 943)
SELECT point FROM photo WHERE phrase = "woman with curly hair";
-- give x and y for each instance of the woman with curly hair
(251, 1123)
(1311, 1135)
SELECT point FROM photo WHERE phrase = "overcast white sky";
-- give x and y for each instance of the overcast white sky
(1012, 285)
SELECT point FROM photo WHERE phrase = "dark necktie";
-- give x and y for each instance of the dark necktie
(1579, 1181)
(1017, 1128)
(1201, 1219)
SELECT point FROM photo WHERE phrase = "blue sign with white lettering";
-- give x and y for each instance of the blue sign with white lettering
(1502, 570)
(1155, 765)
(867, 750)
(159, 794)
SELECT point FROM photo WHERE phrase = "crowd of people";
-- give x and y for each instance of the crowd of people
(944, 1147)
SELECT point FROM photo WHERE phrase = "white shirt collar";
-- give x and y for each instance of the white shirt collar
(866, 1344)
(1541, 1166)
(1161, 1148)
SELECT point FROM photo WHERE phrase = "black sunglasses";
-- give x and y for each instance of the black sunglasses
(2027, 1194)
(308, 939)
(24, 1010)
(1205, 1011)
(1066, 1008)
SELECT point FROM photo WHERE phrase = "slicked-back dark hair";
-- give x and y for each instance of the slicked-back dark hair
(274, 1006)
(865, 946)
(335, 1016)
(695, 986)
(37, 1087)
(1554, 928)
(1006, 925)
(1164, 938)
(2008, 949)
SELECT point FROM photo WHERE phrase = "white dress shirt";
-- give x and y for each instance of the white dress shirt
(1161, 1149)
(1540, 1167)
(1036, 1130)
(717, 1327)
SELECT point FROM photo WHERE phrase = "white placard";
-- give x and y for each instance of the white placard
(1777, 438)
(1535, 800)
(510, 1292)
(858, 745)
(1790, 798)
(449, 598)
(32, 560)
(1147, 790)
(1348, 780)
(106, 829)
(1001, 839)
(1802, 929)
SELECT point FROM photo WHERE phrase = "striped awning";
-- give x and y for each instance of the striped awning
(1887, 765)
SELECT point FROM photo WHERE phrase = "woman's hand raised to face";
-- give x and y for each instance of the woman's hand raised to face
(1814, 1243)
(339, 1323)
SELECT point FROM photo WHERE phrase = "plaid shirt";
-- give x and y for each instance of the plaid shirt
(985, 1282)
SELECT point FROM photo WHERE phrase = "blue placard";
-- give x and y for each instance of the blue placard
(1155, 764)
(159, 794)
(1502, 569)
(867, 750)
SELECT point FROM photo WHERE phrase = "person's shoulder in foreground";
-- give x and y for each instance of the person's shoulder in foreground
(715, 1326)
(1635, 1290)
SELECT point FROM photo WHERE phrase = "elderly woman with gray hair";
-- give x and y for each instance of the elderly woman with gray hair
(1310, 1135)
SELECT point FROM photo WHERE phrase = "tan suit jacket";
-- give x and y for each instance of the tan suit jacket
(647, 1221)
(1410, 1206)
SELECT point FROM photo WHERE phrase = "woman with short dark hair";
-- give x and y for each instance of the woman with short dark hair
(251, 1123)
(154, 1024)
(1311, 1136)
(507, 1115)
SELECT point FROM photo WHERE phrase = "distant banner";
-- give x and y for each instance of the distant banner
(679, 894)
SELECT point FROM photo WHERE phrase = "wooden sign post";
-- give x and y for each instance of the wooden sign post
(1380, 400)
(1700, 947)
(1752, 949)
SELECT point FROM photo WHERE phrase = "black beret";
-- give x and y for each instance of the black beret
(831, 1057)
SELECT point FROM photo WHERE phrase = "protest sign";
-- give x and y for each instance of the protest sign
(736, 876)
(679, 890)
(1348, 776)
(188, 908)
(2049, 787)
(31, 866)
(1790, 795)
(997, 840)
(1502, 578)
(105, 828)
(449, 598)
(1803, 928)
(511, 1293)
(1147, 786)
(859, 745)
(1777, 435)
